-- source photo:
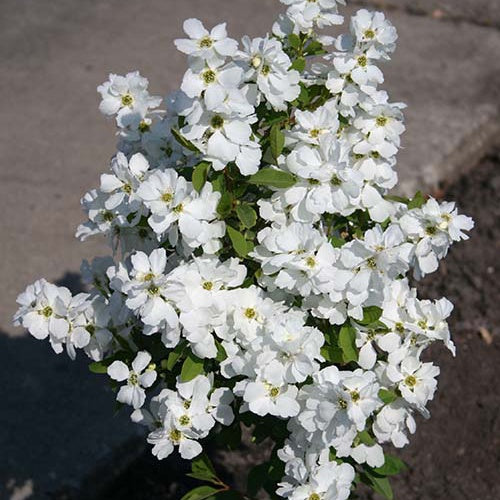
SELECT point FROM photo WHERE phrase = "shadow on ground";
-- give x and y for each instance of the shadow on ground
(56, 418)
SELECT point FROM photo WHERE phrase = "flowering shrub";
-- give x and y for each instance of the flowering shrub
(260, 269)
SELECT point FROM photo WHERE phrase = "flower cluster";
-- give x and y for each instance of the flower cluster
(260, 269)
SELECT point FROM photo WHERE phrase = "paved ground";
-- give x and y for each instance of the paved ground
(54, 143)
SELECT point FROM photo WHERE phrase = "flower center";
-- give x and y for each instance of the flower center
(108, 216)
(133, 379)
(315, 132)
(369, 34)
(127, 99)
(250, 313)
(266, 69)
(362, 61)
(46, 311)
(355, 396)
(342, 403)
(184, 420)
(167, 197)
(175, 436)
(208, 285)
(144, 127)
(179, 208)
(127, 188)
(371, 263)
(313, 496)
(217, 121)
(382, 121)
(153, 290)
(274, 392)
(256, 61)
(206, 42)
(410, 381)
(311, 262)
(335, 181)
(209, 76)
(431, 230)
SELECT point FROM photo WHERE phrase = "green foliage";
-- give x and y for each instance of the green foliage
(387, 396)
(418, 201)
(391, 467)
(200, 174)
(347, 342)
(191, 368)
(202, 469)
(247, 215)
(276, 140)
(371, 315)
(183, 141)
(98, 367)
(379, 484)
(240, 244)
(201, 493)
(274, 178)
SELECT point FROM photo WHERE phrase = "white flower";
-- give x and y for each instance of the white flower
(270, 394)
(123, 183)
(141, 376)
(311, 126)
(393, 423)
(306, 14)
(146, 289)
(377, 35)
(126, 96)
(43, 312)
(416, 381)
(212, 81)
(269, 66)
(213, 46)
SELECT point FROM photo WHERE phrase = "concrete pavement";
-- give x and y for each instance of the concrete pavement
(56, 419)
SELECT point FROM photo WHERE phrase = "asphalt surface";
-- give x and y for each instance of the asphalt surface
(56, 419)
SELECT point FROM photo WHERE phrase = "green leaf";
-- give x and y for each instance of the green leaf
(221, 352)
(201, 493)
(273, 177)
(337, 242)
(315, 48)
(202, 468)
(299, 64)
(277, 140)
(239, 242)
(387, 396)
(98, 367)
(397, 199)
(183, 141)
(347, 342)
(191, 368)
(381, 485)
(365, 438)
(200, 174)
(371, 315)
(174, 356)
(294, 41)
(225, 206)
(304, 98)
(247, 215)
(219, 183)
(418, 201)
(391, 467)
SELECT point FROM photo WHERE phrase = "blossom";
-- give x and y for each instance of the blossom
(141, 376)
(126, 96)
(212, 46)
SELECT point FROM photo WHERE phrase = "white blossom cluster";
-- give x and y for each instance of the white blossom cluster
(232, 292)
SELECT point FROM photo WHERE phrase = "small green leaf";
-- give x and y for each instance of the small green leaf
(397, 199)
(299, 64)
(174, 356)
(201, 493)
(371, 315)
(337, 242)
(183, 141)
(221, 352)
(277, 140)
(347, 342)
(200, 174)
(273, 177)
(387, 396)
(202, 468)
(98, 367)
(225, 206)
(391, 467)
(191, 368)
(380, 485)
(247, 215)
(418, 201)
(304, 97)
(219, 183)
(294, 41)
(239, 242)
(315, 48)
